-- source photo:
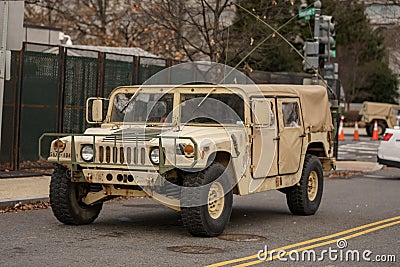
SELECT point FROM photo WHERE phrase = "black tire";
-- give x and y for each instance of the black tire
(65, 199)
(300, 200)
(198, 218)
(381, 128)
(368, 130)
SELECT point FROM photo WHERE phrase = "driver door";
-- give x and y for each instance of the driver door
(264, 147)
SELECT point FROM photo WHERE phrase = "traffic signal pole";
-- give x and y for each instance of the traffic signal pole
(3, 44)
(317, 7)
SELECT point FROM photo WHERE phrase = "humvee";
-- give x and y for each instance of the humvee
(191, 147)
(385, 114)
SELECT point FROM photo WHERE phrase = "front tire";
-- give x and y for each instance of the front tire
(207, 201)
(66, 199)
(305, 197)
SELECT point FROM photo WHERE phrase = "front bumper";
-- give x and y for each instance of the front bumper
(120, 177)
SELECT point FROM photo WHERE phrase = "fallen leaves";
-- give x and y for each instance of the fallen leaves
(38, 205)
(344, 174)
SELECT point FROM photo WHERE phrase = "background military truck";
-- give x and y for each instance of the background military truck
(192, 147)
(385, 114)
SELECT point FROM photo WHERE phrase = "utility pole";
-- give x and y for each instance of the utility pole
(317, 7)
(11, 36)
(3, 52)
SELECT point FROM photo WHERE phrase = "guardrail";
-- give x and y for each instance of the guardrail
(116, 143)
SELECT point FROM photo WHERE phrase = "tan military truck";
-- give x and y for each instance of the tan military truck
(385, 114)
(191, 147)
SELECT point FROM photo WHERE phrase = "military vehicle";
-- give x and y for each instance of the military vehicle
(192, 147)
(385, 114)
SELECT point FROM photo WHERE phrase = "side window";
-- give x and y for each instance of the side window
(290, 111)
(272, 117)
(262, 113)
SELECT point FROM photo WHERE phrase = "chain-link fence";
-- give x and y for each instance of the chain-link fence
(50, 84)
(49, 88)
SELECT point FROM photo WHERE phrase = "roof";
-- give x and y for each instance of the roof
(376, 108)
(314, 101)
(114, 53)
(131, 51)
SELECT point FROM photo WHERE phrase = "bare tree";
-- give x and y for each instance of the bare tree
(178, 29)
(97, 22)
(195, 29)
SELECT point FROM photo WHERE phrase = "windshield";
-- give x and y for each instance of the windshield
(215, 109)
(145, 107)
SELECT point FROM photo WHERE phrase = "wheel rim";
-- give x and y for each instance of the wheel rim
(312, 186)
(380, 130)
(216, 200)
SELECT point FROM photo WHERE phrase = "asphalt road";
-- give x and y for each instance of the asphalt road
(139, 232)
(363, 150)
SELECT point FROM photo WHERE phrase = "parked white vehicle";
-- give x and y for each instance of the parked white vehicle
(389, 148)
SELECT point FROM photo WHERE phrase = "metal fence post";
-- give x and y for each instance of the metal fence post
(101, 71)
(61, 88)
(135, 70)
(17, 110)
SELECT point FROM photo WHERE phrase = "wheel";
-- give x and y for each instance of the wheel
(207, 201)
(305, 197)
(381, 128)
(66, 196)
(368, 130)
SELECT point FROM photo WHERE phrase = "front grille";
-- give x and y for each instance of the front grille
(126, 138)
(121, 155)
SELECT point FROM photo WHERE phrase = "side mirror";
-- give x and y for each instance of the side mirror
(94, 104)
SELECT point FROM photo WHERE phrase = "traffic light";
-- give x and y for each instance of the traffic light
(326, 39)
(311, 51)
(331, 71)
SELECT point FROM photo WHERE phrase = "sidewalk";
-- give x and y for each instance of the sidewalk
(24, 190)
(33, 189)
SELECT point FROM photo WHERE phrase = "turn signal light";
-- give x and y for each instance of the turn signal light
(189, 149)
(387, 136)
(59, 145)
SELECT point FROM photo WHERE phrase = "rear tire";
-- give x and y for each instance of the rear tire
(66, 199)
(381, 128)
(305, 197)
(368, 130)
(207, 201)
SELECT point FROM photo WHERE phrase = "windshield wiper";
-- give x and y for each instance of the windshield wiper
(130, 99)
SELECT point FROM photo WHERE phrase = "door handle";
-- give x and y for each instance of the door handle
(276, 138)
(303, 135)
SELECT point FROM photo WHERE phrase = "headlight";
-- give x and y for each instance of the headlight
(155, 156)
(87, 152)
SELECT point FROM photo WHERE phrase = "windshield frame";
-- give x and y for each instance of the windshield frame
(177, 91)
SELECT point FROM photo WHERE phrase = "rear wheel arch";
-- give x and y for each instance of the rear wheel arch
(316, 149)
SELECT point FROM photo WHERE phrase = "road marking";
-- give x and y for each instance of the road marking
(339, 234)
(323, 243)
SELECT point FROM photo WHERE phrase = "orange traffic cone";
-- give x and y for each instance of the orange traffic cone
(341, 131)
(356, 136)
(375, 132)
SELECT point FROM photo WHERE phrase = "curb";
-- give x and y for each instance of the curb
(374, 168)
(13, 201)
